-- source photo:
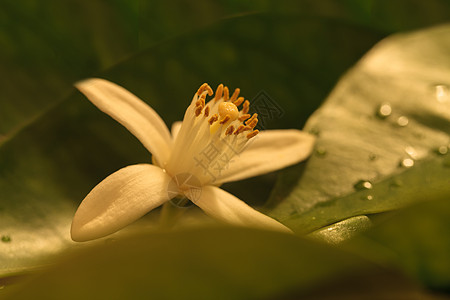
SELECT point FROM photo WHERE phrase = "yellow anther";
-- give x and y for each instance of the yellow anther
(210, 90)
(226, 94)
(219, 92)
(206, 111)
(244, 117)
(238, 101)
(245, 107)
(198, 111)
(228, 109)
(213, 119)
(225, 119)
(252, 120)
(240, 129)
(235, 95)
(229, 130)
(205, 87)
(252, 134)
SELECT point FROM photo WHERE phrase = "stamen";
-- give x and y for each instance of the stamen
(224, 120)
(226, 94)
(198, 111)
(205, 87)
(200, 102)
(213, 119)
(206, 111)
(209, 90)
(252, 134)
(252, 124)
(244, 117)
(240, 129)
(238, 101)
(245, 107)
(219, 92)
(202, 88)
(235, 95)
(252, 120)
(229, 130)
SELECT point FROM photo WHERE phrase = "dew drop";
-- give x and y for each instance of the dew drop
(368, 197)
(362, 185)
(407, 163)
(442, 150)
(402, 121)
(384, 110)
(321, 151)
(411, 152)
(442, 93)
(6, 238)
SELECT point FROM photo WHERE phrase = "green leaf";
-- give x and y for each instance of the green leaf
(416, 240)
(214, 263)
(45, 47)
(390, 111)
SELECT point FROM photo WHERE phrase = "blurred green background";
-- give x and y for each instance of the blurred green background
(55, 146)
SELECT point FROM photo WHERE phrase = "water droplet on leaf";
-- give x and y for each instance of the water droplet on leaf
(442, 93)
(411, 152)
(384, 110)
(321, 151)
(407, 163)
(442, 150)
(402, 121)
(363, 185)
(368, 197)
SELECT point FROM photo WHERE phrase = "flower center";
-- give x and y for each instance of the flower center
(212, 133)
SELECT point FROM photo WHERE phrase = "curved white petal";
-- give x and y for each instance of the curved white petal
(139, 118)
(119, 200)
(270, 150)
(223, 206)
(176, 126)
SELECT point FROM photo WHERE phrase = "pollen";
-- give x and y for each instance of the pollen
(244, 117)
(205, 87)
(235, 95)
(240, 129)
(219, 91)
(213, 119)
(245, 107)
(238, 101)
(226, 94)
(225, 120)
(229, 130)
(252, 134)
(252, 121)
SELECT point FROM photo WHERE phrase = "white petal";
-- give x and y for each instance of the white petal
(139, 118)
(176, 126)
(223, 206)
(270, 150)
(119, 200)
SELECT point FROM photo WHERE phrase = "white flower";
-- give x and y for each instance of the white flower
(214, 144)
